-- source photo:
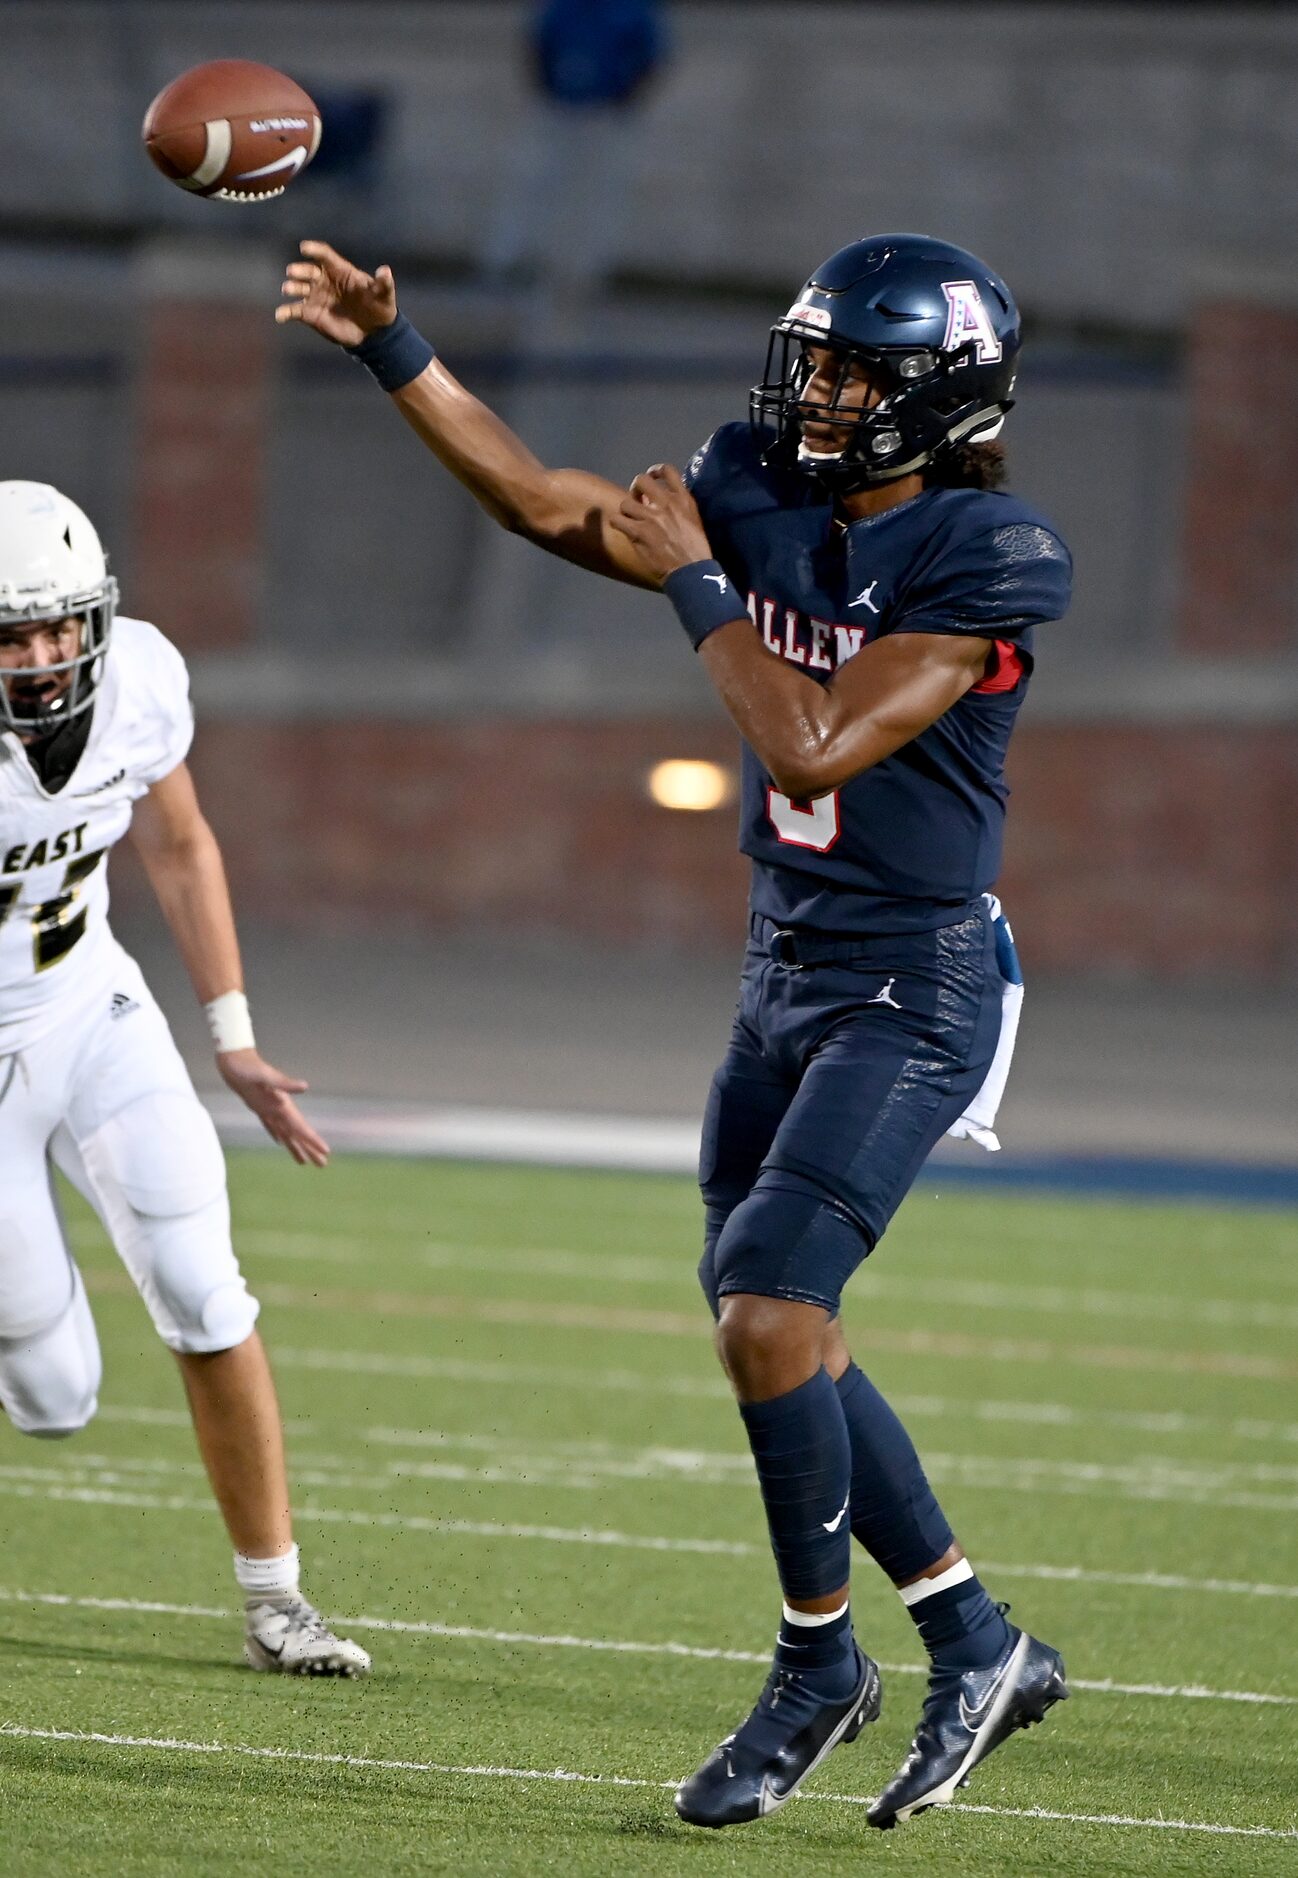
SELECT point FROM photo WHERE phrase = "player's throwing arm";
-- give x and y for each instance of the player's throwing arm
(568, 512)
(811, 737)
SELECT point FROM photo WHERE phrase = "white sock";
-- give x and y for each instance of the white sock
(267, 1577)
(812, 1620)
(923, 1588)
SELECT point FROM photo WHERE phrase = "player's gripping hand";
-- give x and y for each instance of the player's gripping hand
(661, 517)
(340, 301)
(269, 1094)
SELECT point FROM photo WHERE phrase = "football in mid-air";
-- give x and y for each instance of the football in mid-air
(232, 129)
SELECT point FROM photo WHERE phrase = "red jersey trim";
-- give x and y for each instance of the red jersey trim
(1009, 669)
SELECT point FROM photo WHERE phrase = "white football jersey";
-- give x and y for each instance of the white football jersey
(55, 945)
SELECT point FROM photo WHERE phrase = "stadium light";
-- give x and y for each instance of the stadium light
(683, 783)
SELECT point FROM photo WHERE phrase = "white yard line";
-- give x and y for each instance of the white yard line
(538, 1375)
(674, 1462)
(19, 1483)
(587, 1467)
(1065, 1415)
(144, 1417)
(1152, 1581)
(617, 1646)
(93, 1472)
(950, 1346)
(1093, 1479)
(567, 1776)
(400, 1522)
(100, 1470)
(715, 1388)
(1084, 1301)
(623, 1143)
(645, 1269)
(174, 1418)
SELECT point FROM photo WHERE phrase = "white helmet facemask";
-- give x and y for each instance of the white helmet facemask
(52, 567)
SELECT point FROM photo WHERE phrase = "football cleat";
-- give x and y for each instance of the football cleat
(760, 1767)
(290, 1638)
(964, 1718)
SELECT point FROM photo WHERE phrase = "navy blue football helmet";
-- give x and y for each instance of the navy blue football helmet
(930, 321)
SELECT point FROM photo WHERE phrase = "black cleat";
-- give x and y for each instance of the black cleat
(964, 1718)
(747, 1778)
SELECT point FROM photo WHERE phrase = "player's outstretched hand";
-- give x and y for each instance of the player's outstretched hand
(341, 301)
(269, 1094)
(662, 518)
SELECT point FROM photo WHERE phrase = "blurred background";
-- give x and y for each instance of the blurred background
(430, 751)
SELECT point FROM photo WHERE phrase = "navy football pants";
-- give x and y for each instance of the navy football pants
(839, 1081)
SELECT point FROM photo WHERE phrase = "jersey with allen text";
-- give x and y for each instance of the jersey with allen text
(909, 844)
(56, 949)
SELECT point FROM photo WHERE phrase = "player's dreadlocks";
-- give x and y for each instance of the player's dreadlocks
(971, 466)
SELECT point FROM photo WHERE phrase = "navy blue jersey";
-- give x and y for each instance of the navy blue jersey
(907, 845)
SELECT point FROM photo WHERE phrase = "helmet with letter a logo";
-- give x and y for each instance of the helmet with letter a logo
(52, 567)
(938, 332)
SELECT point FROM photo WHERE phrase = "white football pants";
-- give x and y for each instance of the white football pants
(106, 1099)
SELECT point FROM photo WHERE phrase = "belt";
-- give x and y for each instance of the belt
(787, 946)
(796, 949)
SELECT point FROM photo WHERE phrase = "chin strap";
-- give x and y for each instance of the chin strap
(54, 754)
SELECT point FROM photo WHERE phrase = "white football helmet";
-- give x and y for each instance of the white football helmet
(52, 565)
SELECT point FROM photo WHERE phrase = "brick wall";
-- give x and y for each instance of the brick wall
(1143, 850)
(1156, 850)
(509, 826)
(202, 396)
(1240, 553)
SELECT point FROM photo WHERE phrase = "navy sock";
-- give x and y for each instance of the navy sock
(896, 1517)
(814, 1646)
(825, 1654)
(825, 1660)
(960, 1626)
(894, 1514)
(804, 1468)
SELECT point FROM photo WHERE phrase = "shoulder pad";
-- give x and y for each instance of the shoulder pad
(729, 452)
(997, 563)
(152, 684)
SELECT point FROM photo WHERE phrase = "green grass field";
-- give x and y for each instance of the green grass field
(516, 1461)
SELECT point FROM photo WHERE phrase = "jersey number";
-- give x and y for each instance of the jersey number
(813, 825)
(57, 924)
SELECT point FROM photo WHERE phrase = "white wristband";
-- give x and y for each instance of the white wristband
(229, 1022)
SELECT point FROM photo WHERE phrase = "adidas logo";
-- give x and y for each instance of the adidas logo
(119, 1005)
(99, 788)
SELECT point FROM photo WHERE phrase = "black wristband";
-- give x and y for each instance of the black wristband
(395, 354)
(704, 599)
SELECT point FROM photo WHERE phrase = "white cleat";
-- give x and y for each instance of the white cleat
(290, 1638)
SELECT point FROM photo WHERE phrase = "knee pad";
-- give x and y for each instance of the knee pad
(190, 1279)
(37, 1277)
(716, 1217)
(708, 1279)
(789, 1240)
(158, 1170)
(49, 1384)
